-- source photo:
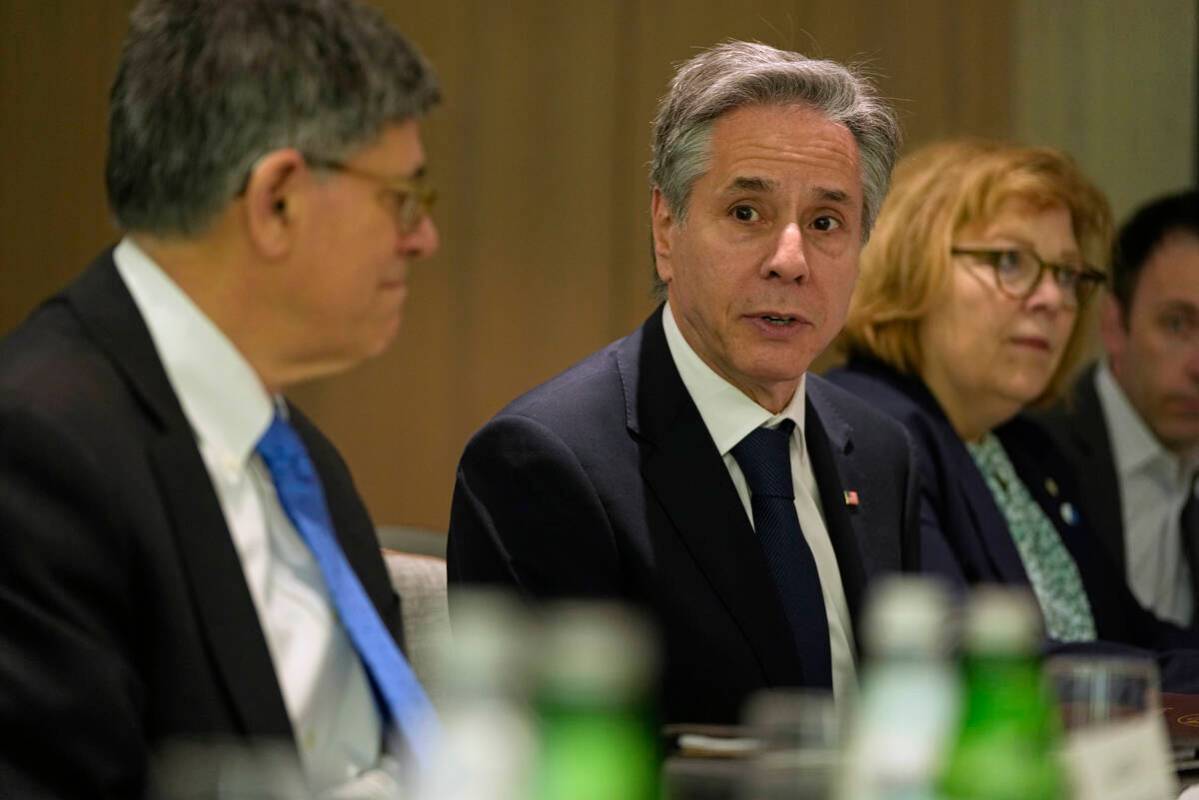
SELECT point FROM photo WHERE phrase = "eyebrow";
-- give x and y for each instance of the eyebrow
(1178, 305)
(1028, 244)
(832, 195)
(753, 184)
(757, 184)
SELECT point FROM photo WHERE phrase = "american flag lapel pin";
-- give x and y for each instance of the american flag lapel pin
(851, 498)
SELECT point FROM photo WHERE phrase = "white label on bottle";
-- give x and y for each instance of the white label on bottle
(1127, 759)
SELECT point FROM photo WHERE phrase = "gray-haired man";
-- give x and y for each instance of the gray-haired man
(694, 468)
(184, 562)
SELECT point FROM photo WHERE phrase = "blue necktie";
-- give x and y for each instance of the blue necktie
(299, 490)
(764, 457)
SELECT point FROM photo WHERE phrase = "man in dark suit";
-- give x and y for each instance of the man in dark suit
(1131, 426)
(173, 535)
(693, 468)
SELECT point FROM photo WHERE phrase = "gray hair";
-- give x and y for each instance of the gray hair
(735, 74)
(207, 87)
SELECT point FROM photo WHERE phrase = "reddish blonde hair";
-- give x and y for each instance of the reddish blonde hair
(935, 193)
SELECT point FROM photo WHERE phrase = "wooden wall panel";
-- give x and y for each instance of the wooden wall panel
(57, 58)
(540, 152)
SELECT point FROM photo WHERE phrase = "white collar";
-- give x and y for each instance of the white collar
(1134, 447)
(221, 395)
(728, 413)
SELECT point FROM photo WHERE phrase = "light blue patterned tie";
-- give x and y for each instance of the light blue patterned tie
(299, 490)
(1051, 569)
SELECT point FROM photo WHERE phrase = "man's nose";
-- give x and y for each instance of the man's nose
(422, 241)
(787, 261)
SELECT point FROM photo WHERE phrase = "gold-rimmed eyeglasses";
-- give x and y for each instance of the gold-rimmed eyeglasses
(1018, 272)
(412, 198)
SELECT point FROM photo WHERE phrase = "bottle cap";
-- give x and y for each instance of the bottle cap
(908, 615)
(489, 648)
(596, 652)
(1002, 619)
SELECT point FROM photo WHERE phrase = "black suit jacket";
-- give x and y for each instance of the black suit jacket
(1080, 432)
(604, 482)
(125, 620)
(966, 537)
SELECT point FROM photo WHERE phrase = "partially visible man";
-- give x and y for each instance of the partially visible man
(1131, 426)
(644, 472)
(184, 560)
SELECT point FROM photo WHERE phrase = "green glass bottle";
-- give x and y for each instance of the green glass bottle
(1008, 742)
(597, 730)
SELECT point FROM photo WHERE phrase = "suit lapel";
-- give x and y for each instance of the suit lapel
(218, 588)
(830, 447)
(963, 484)
(687, 475)
(217, 584)
(1099, 482)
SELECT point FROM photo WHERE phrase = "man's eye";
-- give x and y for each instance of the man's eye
(1177, 324)
(745, 214)
(826, 223)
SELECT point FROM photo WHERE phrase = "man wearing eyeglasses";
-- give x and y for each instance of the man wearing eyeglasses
(187, 574)
(1132, 425)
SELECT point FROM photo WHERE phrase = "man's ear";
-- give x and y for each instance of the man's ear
(272, 202)
(1112, 329)
(664, 223)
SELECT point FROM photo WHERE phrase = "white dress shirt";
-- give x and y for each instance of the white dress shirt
(324, 685)
(1154, 486)
(730, 416)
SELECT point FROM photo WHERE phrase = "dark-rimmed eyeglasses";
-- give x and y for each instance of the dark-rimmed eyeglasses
(1018, 273)
(412, 198)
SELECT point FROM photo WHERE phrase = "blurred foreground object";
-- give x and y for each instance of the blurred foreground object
(489, 740)
(597, 725)
(910, 694)
(799, 744)
(1007, 747)
(1116, 744)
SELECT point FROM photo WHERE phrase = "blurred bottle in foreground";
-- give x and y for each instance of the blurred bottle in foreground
(799, 736)
(488, 742)
(910, 695)
(597, 728)
(1008, 745)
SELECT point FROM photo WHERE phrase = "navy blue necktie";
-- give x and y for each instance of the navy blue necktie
(298, 487)
(764, 457)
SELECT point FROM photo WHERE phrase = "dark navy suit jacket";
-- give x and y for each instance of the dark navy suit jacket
(965, 536)
(604, 482)
(1080, 431)
(125, 621)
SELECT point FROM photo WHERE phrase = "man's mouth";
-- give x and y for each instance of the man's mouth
(778, 319)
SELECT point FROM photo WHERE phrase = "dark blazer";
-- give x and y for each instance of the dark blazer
(604, 482)
(125, 620)
(1080, 431)
(968, 539)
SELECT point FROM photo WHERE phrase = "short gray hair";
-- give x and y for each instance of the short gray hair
(207, 87)
(735, 74)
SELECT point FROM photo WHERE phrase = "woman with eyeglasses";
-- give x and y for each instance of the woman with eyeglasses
(973, 304)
